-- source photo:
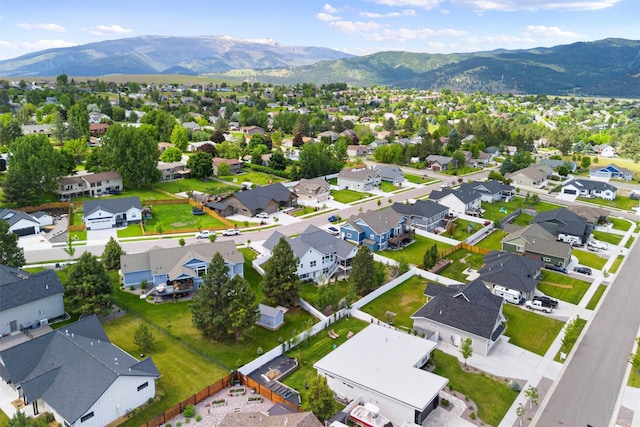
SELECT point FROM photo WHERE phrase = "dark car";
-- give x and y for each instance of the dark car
(582, 270)
(545, 300)
(555, 268)
(334, 218)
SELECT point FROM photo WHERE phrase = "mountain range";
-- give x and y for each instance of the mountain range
(609, 67)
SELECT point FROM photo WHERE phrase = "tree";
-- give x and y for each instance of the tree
(78, 122)
(88, 288)
(585, 162)
(224, 169)
(217, 136)
(520, 411)
(328, 296)
(242, 310)
(201, 165)
(182, 242)
(634, 358)
(280, 282)
(111, 255)
(70, 250)
(171, 154)
(10, 253)
(163, 122)
(319, 398)
(563, 170)
(180, 137)
(362, 275)
(133, 152)
(143, 338)
(430, 257)
(277, 161)
(531, 393)
(76, 148)
(466, 349)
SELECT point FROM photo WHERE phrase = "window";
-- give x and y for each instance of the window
(143, 386)
(313, 264)
(85, 417)
(372, 236)
(547, 259)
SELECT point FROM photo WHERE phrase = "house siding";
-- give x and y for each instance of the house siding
(27, 315)
(480, 345)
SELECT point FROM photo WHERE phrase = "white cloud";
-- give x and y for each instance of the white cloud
(401, 35)
(329, 9)
(327, 17)
(44, 27)
(551, 32)
(351, 27)
(405, 12)
(46, 44)
(532, 5)
(101, 30)
(424, 4)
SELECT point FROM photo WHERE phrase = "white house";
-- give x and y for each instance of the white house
(590, 189)
(382, 365)
(464, 200)
(108, 213)
(359, 179)
(312, 192)
(78, 375)
(28, 300)
(90, 184)
(20, 223)
(606, 150)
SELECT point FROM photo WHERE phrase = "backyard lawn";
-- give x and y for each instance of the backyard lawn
(403, 300)
(414, 253)
(309, 291)
(463, 229)
(523, 219)
(254, 177)
(492, 210)
(530, 330)
(179, 217)
(590, 259)
(492, 397)
(603, 236)
(493, 240)
(462, 259)
(563, 287)
(195, 184)
(349, 196)
(416, 179)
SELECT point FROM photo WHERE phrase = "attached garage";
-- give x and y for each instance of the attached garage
(28, 231)
(99, 223)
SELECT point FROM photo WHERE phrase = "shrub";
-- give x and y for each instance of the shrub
(143, 285)
(48, 417)
(131, 288)
(189, 411)
(472, 415)
(150, 401)
(198, 418)
(178, 424)
(444, 402)
(259, 351)
(167, 425)
(513, 385)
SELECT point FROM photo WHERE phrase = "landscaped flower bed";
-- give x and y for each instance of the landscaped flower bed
(237, 392)
(255, 399)
(219, 402)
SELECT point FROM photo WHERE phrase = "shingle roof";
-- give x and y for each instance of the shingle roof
(357, 174)
(12, 216)
(488, 187)
(71, 369)
(534, 172)
(389, 171)
(591, 185)
(114, 206)
(33, 287)
(465, 195)
(443, 160)
(379, 221)
(562, 220)
(421, 208)
(540, 241)
(312, 237)
(510, 270)
(471, 308)
(259, 197)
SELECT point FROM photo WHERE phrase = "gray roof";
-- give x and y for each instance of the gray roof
(113, 206)
(540, 241)
(562, 220)
(556, 163)
(471, 307)
(510, 270)
(25, 287)
(443, 160)
(358, 174)
(533, 172)
(389, 172)
(487, 187)
(71, 368)
(379, 220)
(421, 208)
(269, 311)
(591, 185)
(465, 195)
(312, 237)
(12, 216)
(259, 197)
(167, 260)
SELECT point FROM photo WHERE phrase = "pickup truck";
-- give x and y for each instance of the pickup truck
(204, 234)
(537, 305)
(334, 218)
(545, 300)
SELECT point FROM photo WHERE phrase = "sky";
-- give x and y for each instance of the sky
(358, 27)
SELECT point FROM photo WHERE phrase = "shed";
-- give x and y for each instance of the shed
(271, 318)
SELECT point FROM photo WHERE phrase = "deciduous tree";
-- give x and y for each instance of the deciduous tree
(171, 154)
(133, 152)
(179, 137)
(466, 349)
(10, 253)
(280, 283)
(319, 398)
(88, 288)
(143, 338)
(200, 164)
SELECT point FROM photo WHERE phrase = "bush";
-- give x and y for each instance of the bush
(48, 417)
(189, 411)
(198, 418)
(472, 415)
(131, 287)
(259, 351)
(513, 385)
(143, 285)
(444, 402)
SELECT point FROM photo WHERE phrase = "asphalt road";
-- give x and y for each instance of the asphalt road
(587, 392)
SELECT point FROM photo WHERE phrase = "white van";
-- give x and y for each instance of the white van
(509, 295)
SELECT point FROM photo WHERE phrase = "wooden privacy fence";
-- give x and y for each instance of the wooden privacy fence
(177, 409)
(265, 391)
(44, 207)
(210, 212)
(475, 249)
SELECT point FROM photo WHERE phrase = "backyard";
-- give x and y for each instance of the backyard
(194, 184)
(563, 287)
(251, 176)
(349, 196)
(310, 291)
(498, 210)
(530, 330)
(493, 240)
(179, 217)
(462, 259)
(403, 300)
(414, 253)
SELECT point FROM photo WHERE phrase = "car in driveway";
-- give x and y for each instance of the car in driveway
(597, 244)
(555, 268)
(582, 270)
(231, 232)
(262, 215)
(545, 300)
(333, 231)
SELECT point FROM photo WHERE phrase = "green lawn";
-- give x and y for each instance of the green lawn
(309, 291)
(177, 217)
(404, 300)
(251, 176)
(581, 324)
(603, 236)
(195, 184)
(523, 219)
(493, 240)
(145, 193)
(416, 179)
(629, 242)
(563, 287)
(305, 210)
(590, 259)
(493, 209)
(414, 253)
(634, 379)
(317, 347)
(460, 171)
(349, 196)
(492, 397)
(462, 259)
(388, 187)
(531, 330)
(184, 372)
(620, 224)
(132, 230)
(463, 229)
(621, 202)
(616, 264)
(4, 419)
(593, 302)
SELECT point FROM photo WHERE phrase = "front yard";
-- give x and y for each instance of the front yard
(621, 202)
(254, 177)
(349, 196)
(590, 259)
(603, 236)
(620, 224)
(531, 331)
(563, 287)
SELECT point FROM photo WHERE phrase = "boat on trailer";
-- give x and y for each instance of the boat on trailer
(368, 415)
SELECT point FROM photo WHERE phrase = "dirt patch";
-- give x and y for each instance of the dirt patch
(558, 285)
(178, 224)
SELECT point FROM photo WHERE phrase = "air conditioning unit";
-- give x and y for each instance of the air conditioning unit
(44, 322)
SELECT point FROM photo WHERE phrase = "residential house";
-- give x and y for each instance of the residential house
(375, 366)
(469, 159)
(536, 242)
(191, 126)
(359, 179)
(46, 129)
(457, 312)
(177, 270)
(271, 318)
(312, 192)
(590, 189)
(390, 174)
(484, 159)
(378, 230)
(108, 213)
(533, 176)
(463, 201)
(510, 150)
(564, 225)
(611, 171)
(490, 191)
(90, 184)
(328, 134)
(592, 214)
(44, 218)
(21, 223)
(78, 375)
(269, 199)
(511, 271)
(249, 131)
(320, 255)
(28, 300)
(235, 165)
(555, 164)
(357, 150)
(605, 150)
(440, 163)
(425, 214)
(162, 146)
(98, 129)
(493, 150)
(173, 170)
(194, 146)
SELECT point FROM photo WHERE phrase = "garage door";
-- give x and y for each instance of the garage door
(99, 224)
(569, 191)
(25, 231)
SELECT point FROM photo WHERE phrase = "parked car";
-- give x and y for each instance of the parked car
(537, 305)
(545, 300)
(262, 215)
(583, 270)
(231, 232)
(334, 218)
(555, 268)
(597, 244)
(204, 234)
(333, 231)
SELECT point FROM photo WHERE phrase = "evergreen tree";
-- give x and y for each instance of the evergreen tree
(208, 305)
(363, 271)
(280, 283)
(111, 255)
(143, 338)
(10, 253)
(242, 309)
(319, 398)
(88, 288)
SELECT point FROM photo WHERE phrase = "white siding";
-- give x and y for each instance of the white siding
(31, 313)
(480, 345)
